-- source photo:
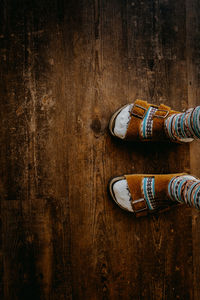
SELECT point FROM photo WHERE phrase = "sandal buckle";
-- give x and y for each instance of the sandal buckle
(162, 117)
(136, 114)
(139, 202)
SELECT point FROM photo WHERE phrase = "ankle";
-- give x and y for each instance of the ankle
(185, 189)
(184, 127)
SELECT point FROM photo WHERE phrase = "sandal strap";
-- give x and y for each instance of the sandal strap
(140, 207)
(147, 120)
(140, 110)
(141, 107)
(145, 189)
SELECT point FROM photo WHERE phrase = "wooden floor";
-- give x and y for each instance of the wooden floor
(65, 67)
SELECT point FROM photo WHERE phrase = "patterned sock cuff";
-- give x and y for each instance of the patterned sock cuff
(184, 125)
(185, 189)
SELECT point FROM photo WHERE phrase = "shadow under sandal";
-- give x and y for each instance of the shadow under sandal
(144, 194)
(143, 121)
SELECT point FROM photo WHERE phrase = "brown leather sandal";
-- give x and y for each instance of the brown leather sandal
(148, 193)
(146, 122)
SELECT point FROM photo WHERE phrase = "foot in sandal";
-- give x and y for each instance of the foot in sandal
(142, 194)
(147, 122)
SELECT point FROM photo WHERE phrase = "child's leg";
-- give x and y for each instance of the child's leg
(184, 126)
(185, 189)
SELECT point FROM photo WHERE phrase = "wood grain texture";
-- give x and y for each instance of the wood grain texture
(65, 67)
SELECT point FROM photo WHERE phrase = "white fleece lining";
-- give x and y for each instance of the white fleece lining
(121, 122)
(122, 194)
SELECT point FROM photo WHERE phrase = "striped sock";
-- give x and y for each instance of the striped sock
(185, 189)
(184, 125)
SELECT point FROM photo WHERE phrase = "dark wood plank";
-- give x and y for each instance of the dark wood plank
(35, 209)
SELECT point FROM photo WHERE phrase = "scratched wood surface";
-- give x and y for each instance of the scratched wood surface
(65, 67)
